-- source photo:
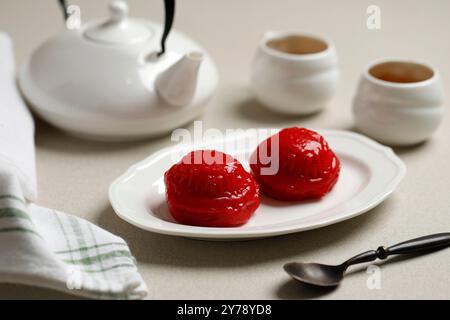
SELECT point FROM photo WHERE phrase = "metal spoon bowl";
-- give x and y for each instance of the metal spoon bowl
(314, 273)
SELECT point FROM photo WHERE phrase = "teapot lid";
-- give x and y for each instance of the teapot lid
(118, 29)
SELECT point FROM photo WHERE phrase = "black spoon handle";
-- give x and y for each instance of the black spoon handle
(431, 242)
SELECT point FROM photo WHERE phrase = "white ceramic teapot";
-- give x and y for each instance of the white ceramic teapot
(111, 80)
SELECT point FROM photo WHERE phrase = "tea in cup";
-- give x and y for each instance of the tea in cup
(399, 102)
(294, 73)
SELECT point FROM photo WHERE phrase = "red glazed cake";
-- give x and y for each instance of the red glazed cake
(210, 188)
(307, 167)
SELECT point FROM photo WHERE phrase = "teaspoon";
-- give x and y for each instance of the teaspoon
(328, 275)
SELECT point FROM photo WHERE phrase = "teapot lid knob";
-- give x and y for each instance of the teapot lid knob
(118, 10)
(118, 29)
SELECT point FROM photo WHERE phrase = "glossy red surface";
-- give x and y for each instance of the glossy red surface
(308, 168)
(212, 189)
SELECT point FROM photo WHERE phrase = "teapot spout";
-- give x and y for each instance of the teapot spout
(177, 84)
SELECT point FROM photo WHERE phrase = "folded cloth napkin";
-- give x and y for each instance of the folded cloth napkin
(40, 246)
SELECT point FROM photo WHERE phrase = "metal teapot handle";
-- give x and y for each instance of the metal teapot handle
(170, 13)
(63, 4)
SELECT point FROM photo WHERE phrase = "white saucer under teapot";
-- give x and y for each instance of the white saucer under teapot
(111, 80)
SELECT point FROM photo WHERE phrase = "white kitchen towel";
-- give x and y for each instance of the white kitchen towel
(40, 246)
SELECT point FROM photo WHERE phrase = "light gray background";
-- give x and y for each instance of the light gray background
(74, 175)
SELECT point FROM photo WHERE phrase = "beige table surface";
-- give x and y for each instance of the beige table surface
(74, 174)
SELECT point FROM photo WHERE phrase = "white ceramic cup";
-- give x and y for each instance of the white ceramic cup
(399, 102)
(294, 73)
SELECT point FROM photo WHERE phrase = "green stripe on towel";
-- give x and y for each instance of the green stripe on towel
(13, 213)
(12, 197)
(90, 260)
(19, 229)
(123, 265)
(92, 247)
